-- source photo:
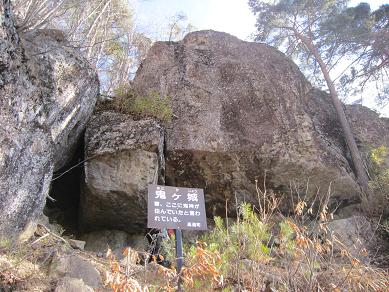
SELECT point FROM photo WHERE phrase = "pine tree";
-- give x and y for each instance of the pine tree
(298, 26)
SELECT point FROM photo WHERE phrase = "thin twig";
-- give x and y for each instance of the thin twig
(74, 166)
(40, 238)
(53, 234)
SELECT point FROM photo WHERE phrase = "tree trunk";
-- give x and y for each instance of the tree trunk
(362, 177)
(359, 167)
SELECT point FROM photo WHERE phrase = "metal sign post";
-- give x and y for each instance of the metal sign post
(180, 257)
(176, 208)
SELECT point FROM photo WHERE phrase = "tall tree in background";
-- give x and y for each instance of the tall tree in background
(366, 34)
(103, 29)
(297, 26)
(171, 28)
(178, 27)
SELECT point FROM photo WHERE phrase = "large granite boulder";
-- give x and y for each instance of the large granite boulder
(241, 110)
(47, 92)
(67, 85)
(370, 132)
(122, 157)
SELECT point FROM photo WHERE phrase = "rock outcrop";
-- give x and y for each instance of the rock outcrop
(242, 110)
(123, 157)
(369, 129)
(47, 92)
(67, 85)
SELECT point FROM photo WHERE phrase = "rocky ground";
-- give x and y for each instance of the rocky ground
(49, 261)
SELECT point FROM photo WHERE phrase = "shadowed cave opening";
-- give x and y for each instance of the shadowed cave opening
(65, 189)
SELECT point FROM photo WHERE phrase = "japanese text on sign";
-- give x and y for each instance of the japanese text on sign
(176, 208)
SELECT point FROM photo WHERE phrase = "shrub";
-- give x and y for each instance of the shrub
(265, 251)
(127, 101)
(376, 201)
(202, 270)
(380, 174)
(290, 256)
(124, 97)
(153, 105)
(246, 238)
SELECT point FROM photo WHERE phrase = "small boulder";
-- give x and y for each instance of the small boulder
(77, 244)
(355, 235)
(68, 284)
(73, 266)
(33, 228)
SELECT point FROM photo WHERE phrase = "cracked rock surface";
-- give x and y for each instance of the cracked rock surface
(241, 110)
(122, 157)
(47, 92)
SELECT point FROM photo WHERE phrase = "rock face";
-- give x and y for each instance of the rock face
(242, 109)
(47, 92)
(68, 86)
(369, 129)
(116, 240)
(123, 157)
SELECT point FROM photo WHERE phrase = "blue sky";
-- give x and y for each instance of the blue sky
(231, 16)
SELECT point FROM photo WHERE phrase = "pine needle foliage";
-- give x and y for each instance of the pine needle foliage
(246, 238)
(283, 254)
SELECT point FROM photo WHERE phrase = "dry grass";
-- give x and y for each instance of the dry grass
(265, 251)
(127, 101)
(259, 251)
(24, 267)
